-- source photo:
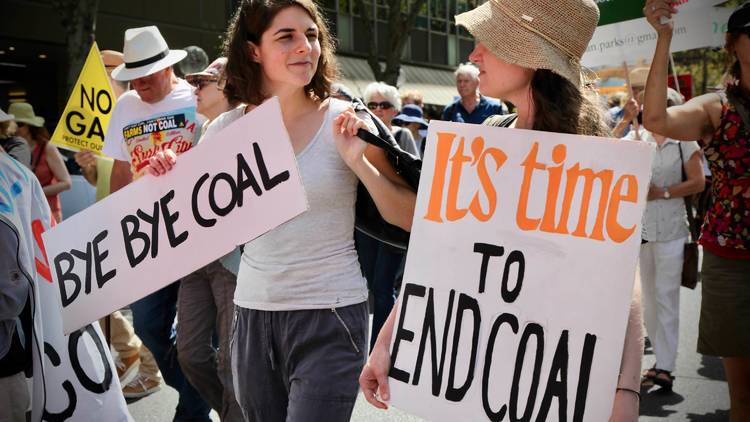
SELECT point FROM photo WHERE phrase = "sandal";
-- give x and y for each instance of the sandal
(648, 377)
(666, 383)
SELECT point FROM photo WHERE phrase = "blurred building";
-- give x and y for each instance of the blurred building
(33, 58)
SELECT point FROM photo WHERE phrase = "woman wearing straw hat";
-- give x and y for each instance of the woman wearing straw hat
(528, 52)
(46, 161)
(722, 124)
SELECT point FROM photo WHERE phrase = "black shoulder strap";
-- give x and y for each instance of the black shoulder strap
(688, 206)
(501, 121)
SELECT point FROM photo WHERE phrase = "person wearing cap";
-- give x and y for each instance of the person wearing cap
(537, 68)
(471, 106)
(46, 161)
(412, 118)
(207, 292)
(13, 145)
(721, 123)
(665, 232)
(157, 116)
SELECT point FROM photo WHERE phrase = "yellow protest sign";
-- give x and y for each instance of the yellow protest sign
(84, 122)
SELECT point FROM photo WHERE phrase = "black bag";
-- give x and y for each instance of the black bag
(690, 275)
(368, 219)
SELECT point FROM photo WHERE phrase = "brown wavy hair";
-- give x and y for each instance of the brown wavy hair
(244, 77)
(564, 108)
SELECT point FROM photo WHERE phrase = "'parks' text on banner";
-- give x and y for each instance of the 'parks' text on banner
(519, 275)
(222, 193)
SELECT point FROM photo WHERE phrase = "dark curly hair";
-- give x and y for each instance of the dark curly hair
(250, 21)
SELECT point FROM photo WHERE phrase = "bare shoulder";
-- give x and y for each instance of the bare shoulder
(711, 104)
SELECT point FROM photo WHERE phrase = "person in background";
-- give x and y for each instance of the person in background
(411, 118)
(412, 96)
(15, 146)
(721, 123)
(157, 94)
(532, 73)
(665, 230)
(46, 161)
(138, 372)
(471, 106)
(630, 111)
(205, 296)
(382, 264)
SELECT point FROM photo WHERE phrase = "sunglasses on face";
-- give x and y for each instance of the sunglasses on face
(200, 83)
(385, 105)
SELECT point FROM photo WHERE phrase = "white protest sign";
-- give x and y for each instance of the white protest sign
(74, 377)
(154, 231)
(519, 275)
(636, 39)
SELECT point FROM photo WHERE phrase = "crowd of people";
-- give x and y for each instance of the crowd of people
(259, 333)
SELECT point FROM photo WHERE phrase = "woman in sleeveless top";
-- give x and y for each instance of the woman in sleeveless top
(300, 332)
(721, 122)
(46, 161)
(547, 90)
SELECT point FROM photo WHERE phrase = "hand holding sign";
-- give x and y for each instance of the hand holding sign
(659, 15)
(536, 227)
(154, 231)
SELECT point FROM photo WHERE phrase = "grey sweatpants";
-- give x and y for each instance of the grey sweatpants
(298, 365)
(205, 306)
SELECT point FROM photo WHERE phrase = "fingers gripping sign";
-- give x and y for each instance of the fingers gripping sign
(162, 162)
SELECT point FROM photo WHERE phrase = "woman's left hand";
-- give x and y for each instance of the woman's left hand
(625, 408)
(345, 127)
(162, 162)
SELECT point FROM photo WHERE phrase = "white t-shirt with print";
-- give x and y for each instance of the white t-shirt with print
(138, 130)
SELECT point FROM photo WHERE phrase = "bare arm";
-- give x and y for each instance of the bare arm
(121, 176)
(58, 169)
(626, 399)
(696, 181)
(686, 122)
(374, 376)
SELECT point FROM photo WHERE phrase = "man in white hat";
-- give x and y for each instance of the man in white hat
(157, 116)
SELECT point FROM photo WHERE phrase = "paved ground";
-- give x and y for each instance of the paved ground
(700, 392)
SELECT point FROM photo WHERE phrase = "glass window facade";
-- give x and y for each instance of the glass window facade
(435, 40)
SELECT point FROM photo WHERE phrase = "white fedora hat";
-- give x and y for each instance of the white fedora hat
(145, 52)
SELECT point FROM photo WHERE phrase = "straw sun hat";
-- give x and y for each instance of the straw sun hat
(535, 34)
(24, 113)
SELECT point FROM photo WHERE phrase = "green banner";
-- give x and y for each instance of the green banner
(613, 11)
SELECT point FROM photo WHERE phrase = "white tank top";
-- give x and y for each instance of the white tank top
(308, 262)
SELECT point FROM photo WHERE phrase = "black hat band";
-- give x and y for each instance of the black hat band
(147, 61)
